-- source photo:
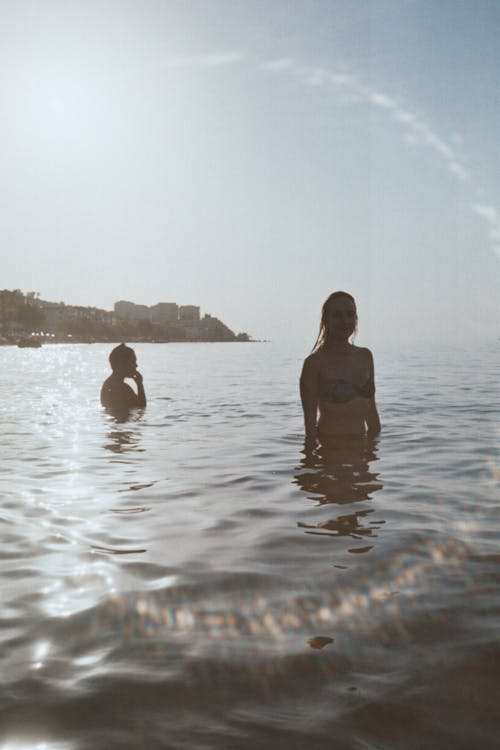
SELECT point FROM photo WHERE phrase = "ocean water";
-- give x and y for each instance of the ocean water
(191, 578)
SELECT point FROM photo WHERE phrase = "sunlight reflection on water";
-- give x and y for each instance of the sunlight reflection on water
(36, 745)
(196, 556)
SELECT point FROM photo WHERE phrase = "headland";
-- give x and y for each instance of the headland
(25, 316)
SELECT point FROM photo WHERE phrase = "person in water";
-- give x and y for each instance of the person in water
(116, 395)
(337, 384)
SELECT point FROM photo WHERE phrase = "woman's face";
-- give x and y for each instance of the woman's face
(340, 318)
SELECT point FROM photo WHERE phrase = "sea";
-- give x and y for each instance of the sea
(194, 577)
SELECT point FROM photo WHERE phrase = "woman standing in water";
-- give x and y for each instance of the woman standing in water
(337, 377)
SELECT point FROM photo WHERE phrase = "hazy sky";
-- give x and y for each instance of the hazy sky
(252, 156)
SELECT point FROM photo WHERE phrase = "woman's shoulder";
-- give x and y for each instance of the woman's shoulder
(314, 358)
(363, 351)
(365, 358)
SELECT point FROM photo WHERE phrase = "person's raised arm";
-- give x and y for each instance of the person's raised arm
(372, 417)
(141, 395)
(309, 395)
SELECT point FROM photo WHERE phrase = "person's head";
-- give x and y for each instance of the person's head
(339, 319)
(123, 360)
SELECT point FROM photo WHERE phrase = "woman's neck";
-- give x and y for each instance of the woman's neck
(338, 345)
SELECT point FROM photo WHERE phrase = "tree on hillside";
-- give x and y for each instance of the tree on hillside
(30, 317)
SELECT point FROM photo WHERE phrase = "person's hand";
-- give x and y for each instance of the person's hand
(137, 377)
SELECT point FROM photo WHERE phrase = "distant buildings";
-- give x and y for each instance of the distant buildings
(130, 311)
(189, 313)
(58, 315)
(163, 312)
(181, 322)
(166, 321)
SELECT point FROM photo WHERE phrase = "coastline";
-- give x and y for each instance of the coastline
(37, 342)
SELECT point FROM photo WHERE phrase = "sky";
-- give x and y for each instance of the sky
(251, 157)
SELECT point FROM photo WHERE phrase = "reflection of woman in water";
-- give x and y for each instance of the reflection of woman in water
(340, 472)
(337, 377)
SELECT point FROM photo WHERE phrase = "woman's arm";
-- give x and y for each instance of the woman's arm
(309, 395)
(372, 417)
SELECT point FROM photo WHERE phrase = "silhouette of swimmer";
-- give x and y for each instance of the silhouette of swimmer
(118, 397)
(338, 379)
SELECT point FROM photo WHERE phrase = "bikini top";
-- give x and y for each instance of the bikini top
(339, 391)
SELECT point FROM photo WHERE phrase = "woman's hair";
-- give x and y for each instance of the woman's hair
(323, 327)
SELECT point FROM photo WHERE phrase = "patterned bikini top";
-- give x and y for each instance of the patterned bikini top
(339, 391)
